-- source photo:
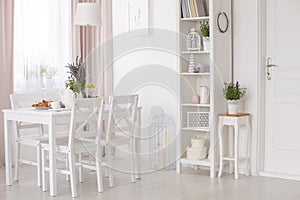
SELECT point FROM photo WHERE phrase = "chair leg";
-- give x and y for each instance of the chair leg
(80, 168)
(17, 158)
(72, 174)
(132, 149)
(67, 167)
(99, 170)
(106, 172)
(39, 166)
(109, 163)
(44, 182)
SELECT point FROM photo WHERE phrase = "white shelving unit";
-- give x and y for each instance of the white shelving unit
(195, 52)
(217, 64)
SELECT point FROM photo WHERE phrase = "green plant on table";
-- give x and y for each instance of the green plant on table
(90, 85)
(233, 91)
(77, 79)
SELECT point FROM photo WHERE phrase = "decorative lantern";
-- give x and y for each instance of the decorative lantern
(193, 40)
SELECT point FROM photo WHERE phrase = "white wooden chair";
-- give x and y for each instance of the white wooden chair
(82, 138)
(120, 128)
(25, 100)
(34, 140)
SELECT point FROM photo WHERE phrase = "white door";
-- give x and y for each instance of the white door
(282, 149)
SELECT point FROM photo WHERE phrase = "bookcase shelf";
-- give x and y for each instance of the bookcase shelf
(195, 74)
(195, 105)
(217, 63)
(195, 19)
(195, 52)
(205, 162)
(195, 129)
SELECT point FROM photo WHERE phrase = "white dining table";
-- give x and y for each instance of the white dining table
(53, 119)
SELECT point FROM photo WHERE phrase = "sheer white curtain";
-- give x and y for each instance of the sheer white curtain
(42, 44)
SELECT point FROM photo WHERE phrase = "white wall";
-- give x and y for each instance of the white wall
(152, 73)
(163, 15)
(246, 61)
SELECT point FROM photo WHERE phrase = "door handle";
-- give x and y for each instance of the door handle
(269, 65)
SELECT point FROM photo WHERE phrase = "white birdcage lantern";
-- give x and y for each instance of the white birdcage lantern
(193, 41)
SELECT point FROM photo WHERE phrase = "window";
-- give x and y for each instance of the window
(42, 43)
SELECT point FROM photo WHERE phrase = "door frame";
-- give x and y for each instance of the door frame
(261, 99)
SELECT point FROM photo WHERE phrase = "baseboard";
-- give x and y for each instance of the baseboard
(280, 175)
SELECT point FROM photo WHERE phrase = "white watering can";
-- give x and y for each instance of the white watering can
(67, 98)
(204, 95)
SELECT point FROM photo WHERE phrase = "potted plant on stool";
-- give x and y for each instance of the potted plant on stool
(233, 93)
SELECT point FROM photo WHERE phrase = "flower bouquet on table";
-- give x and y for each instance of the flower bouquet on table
(77, 79)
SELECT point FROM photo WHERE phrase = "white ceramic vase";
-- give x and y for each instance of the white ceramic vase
(67, 98)
(233, 106)
(206, 43)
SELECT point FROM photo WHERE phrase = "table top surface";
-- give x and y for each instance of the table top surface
(52, 112)
(234, 115)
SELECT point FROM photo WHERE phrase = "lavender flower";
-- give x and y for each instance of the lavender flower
(77, 80)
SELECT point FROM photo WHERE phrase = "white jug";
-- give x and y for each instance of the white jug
(204, 95)
(67, 98)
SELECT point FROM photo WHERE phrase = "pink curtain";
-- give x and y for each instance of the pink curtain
(94, 45)
(6, 62)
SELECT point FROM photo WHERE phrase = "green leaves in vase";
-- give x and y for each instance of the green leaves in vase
(77, 79)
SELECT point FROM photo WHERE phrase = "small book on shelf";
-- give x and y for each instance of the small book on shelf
(189, 8)
(183, 9)
(192, 7)
(196, 8)
(201, 4)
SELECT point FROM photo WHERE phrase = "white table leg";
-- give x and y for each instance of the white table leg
(236, 151)
(248, 128)
(8, 151)
(52, 159)
(231, 147)
(220, 127)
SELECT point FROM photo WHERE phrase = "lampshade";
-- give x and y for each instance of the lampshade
(87, 14)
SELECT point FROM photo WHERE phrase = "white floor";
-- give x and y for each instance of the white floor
(166, 184)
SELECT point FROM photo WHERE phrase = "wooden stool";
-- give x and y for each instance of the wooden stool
(235, 120)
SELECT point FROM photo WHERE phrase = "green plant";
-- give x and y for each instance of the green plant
(77, 80)
(204, 28)
(47, 71)
(233, 91)
(73, 85)
(90, 85)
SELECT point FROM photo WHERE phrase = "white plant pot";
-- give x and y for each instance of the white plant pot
(233, 106)
(206, 43)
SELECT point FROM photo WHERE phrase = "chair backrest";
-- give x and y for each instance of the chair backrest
(54, 95)
(24, 100)
(122, 116)
(86, 120)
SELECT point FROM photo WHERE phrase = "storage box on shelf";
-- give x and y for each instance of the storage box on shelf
(215, 68)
